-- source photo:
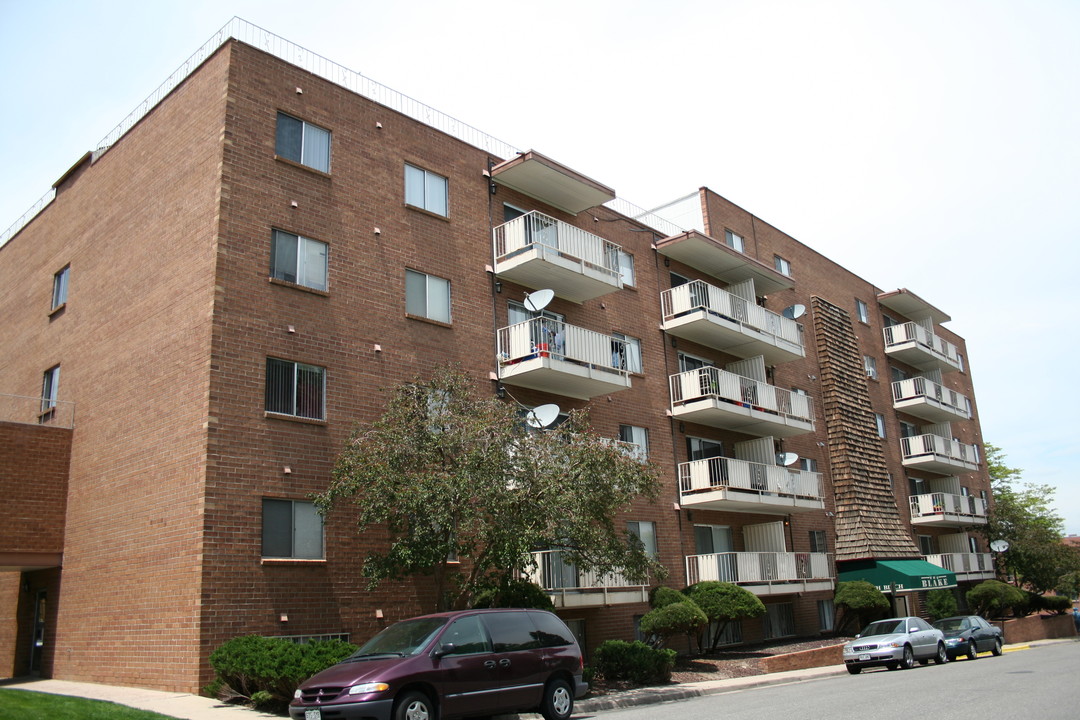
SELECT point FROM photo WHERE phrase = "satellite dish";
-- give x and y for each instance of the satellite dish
(787, 458)
(542, 416)
(538, 300)
(999, 545)
(794, 312)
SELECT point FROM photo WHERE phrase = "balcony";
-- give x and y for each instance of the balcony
(716, 318)
(947, 510)
(710, 396)
(930, 401)
(967, 566)
(727, 484)
(538, 251)
(555, 357)
(936, 454)
(724, 263)
(569, 587)
(913, 344)
(550, 182)
(765, 573)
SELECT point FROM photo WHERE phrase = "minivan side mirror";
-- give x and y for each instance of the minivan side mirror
(445, 649)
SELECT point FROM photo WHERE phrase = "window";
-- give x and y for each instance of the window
(645, 532)
(888, 321)
(626, 268)
(638, 437)
(898, 374)
(862, 311)
(49, 384)
(732, 634)
(808, 464)
(782, 266)
(733, 240)
(960, 361)
(926, 544)
(702, 449)
(879, 421)
(973, 544)
(303, 142)
(626, 355)
(425, 190)
(817, 541)
(60, 287)
(296, 389)
(291, 529)
(427, 296)
(918, 486)
(467, 635)
(826, 611)
(298, 260)
(870, 364)
(779, 620)
(909, 430)
(689, 362)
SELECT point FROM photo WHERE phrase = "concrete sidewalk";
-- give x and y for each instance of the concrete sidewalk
(193, 707)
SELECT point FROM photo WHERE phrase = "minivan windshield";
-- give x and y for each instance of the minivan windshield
(883, 627)
(407, 637)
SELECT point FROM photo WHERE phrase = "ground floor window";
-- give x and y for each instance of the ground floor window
(826, 612)
(779, 620)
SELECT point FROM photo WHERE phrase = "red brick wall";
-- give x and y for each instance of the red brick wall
(34, 484)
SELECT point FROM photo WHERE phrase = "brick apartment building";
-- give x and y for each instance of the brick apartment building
(240, 272)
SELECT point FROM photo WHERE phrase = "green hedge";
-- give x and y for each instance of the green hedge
(635, 662)
(267, 671)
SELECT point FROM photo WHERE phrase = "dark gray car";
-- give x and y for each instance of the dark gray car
(969, 635)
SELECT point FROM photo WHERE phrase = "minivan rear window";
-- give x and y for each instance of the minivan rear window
(550, 631)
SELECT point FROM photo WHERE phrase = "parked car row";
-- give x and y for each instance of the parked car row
(897, 643)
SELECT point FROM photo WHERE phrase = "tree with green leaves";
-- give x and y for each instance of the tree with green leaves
(1024, 516)
(723, 602)
(940, 603)
(465, 492)
(860, 602)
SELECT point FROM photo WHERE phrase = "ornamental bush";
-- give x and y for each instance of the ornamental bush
(861, 603)
(991, 598)
(266, 671)
(674, 619)
(662, 595)
(515, 594)
(940, 603)
(634, 662)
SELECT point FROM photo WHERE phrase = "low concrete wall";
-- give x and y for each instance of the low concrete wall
(818, 657)
(1037, 627)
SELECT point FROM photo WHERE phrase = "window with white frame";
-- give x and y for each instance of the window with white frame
(898, 374)
(426, 190)
(733, 240)
(870, 364)
(703, 449)
(60, 287)
(303, 142)
(909, 430)
(862, 311)
(645, 532)
(926, 544)
(690, 362)
(626, 355)
(879, 421)
(779, 620)
(50, 384)
(295, 389)
(826, 611)
(782, 266)
(427, 296)
(297, 259)
(808, 464)
(291, 529)
(626, 268)
(636, 439)
(817, 541)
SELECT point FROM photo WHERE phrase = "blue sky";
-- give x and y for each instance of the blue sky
(948, 128)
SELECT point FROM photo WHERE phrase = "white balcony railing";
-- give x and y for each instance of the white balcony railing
(536, 228)
(575, 587)
(939, 454)
(945, 505)
(720, 304)
(926, 398)
(546, 338)
(758, 568)
(920, 347)
(964, 564)
(721, 472)
(741, 391)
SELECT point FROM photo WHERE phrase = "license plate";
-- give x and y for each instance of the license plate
(313, 714)
(862, 658)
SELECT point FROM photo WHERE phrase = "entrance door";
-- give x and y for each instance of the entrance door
(37, 646)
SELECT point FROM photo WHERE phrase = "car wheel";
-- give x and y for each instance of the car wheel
(558, 701)
(854, 669)
(942, 657)
(414, 706)
(909, 659)
(972, 650)
(997, 647)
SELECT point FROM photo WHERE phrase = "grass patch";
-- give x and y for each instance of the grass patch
(30, 705)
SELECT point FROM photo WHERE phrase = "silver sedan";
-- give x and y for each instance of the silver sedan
(895, 643)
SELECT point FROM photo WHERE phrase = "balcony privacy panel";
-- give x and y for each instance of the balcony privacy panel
(765, 537)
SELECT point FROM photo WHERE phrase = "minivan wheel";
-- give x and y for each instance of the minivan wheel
(414, 706)
(558, 701)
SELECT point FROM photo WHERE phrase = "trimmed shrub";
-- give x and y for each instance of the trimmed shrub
(940, 603)
(515, 594)
(1057, 604)
(661, 596)
(674, 619)
(991, 598)
(267, 671)
(634, 662)
(724, 602)
(861, 603)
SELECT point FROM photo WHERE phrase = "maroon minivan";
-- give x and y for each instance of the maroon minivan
(456, 664)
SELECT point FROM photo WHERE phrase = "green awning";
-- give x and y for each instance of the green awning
(898, 575)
